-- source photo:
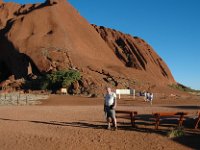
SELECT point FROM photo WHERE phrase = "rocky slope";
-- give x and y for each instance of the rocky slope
(40, 38)
(134, 52)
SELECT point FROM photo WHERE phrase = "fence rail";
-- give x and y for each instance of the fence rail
(21, 99)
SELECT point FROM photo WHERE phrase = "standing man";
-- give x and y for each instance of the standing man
(110, 103)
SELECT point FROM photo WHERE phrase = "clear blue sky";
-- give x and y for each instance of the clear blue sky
(171, 27)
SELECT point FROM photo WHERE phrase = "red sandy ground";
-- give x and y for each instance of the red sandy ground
(66, 122)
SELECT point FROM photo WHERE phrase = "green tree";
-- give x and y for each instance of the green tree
(54, 81)
(63, 78)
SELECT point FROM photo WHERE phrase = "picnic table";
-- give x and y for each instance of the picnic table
(159, 115)
(130, 115)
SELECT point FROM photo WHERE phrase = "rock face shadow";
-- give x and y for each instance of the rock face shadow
(12, 62)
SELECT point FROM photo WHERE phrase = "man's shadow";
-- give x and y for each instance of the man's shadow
(78, 124)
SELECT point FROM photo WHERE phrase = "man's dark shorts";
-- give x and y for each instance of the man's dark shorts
(109, 112)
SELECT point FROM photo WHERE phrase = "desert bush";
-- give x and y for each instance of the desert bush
(43, 84)
(183, 88)
(54, 81)
(176, 132)
(62, 78)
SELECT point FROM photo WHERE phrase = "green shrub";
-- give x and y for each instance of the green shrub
(62, 78)
(177, 132)
(44, 85)
(183, 88)
(54, 81)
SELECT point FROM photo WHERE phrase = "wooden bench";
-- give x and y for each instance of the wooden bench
(158, 115)
(197, 121)
(131, 115)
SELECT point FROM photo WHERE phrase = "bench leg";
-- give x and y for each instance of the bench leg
(197, 122)
(132, 119)
(181, 121)
(157, 122)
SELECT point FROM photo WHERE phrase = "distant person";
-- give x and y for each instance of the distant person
(145, 96)
(110, 103)
(151, 98)
(140, 93)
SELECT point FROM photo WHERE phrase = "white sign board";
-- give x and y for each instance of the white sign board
(125, 92)
(63, 90)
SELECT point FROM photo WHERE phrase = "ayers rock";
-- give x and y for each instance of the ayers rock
(40, 38)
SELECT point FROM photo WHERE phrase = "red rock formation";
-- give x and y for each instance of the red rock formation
(134, 52)
(59, 38)
(52, 2)
(38, 38)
